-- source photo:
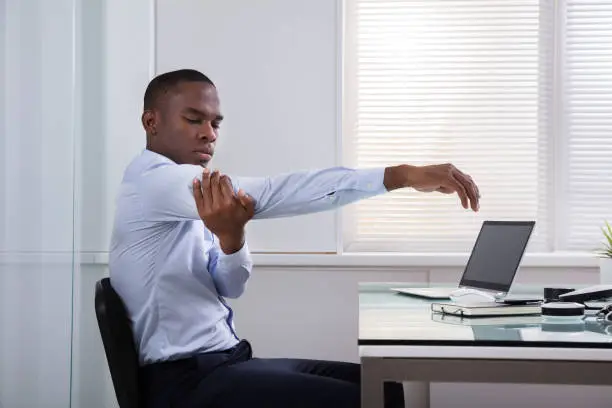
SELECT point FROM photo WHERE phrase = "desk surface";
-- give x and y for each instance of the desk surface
(401, 339)
(390, 319)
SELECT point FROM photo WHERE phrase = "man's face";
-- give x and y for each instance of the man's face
(187, 123)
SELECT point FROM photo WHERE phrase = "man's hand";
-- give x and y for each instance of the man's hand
(224, 213)
(444, 178)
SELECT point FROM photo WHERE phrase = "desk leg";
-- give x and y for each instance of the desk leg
(372, 391)
(416, 394)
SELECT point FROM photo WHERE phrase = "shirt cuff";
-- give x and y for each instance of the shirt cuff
(372, 180)
(241, 258)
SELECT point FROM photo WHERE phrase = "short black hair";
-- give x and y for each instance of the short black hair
(163, 83)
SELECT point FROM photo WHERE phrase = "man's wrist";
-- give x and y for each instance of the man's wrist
(232, 243)
(399, 176)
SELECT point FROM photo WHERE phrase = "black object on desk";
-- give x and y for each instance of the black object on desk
(520, 300)
(596, 292)
(552, 294)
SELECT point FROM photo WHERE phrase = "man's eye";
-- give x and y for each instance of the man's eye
(195, 121)
(216, 125)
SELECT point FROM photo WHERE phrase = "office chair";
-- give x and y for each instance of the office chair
(121, 353)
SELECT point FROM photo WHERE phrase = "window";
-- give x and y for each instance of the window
(517, 93)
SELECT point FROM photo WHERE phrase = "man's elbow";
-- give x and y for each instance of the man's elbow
(231, 282)
(234, 291)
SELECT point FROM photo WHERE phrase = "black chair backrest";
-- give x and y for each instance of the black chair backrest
(121, 354)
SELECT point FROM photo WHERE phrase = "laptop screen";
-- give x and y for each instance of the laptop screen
(497, 254)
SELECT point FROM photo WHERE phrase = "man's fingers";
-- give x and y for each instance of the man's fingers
(226, 189)
(475, 185)
(470, 188)
(207, 194)
(197, 194)
(460, 189)
(215, 190)
(247, 202)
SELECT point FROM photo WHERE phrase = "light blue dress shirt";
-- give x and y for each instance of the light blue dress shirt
(168, 267)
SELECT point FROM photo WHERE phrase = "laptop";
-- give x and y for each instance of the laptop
(492, 265)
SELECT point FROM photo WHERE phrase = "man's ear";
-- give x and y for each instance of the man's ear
(149, 122)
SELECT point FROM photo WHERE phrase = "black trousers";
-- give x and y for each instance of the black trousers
(234, 379)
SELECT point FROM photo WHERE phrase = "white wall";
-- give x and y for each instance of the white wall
(3, 137)
(118, 61)
(117, 54)
(36, 210)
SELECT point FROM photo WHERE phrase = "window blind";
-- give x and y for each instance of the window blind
(468, 82)
(587, 185)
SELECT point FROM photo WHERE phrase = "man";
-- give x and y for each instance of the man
(178, 250)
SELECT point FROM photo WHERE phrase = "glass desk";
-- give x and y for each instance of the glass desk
(401, 339)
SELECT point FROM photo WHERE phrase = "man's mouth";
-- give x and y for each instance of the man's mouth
(204, 156)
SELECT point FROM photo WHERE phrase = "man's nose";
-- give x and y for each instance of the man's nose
(207, 132)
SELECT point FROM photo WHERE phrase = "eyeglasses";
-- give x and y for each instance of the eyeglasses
(605, 313)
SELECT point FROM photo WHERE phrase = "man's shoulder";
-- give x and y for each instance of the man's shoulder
(143, 161)
(153, 183)
(146, 167)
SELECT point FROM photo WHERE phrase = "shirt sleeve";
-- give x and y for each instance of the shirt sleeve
(307, 192)
(230, 272)
(167, 191)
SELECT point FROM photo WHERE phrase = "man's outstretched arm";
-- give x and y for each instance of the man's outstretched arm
(320, 190)
(167, 190)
